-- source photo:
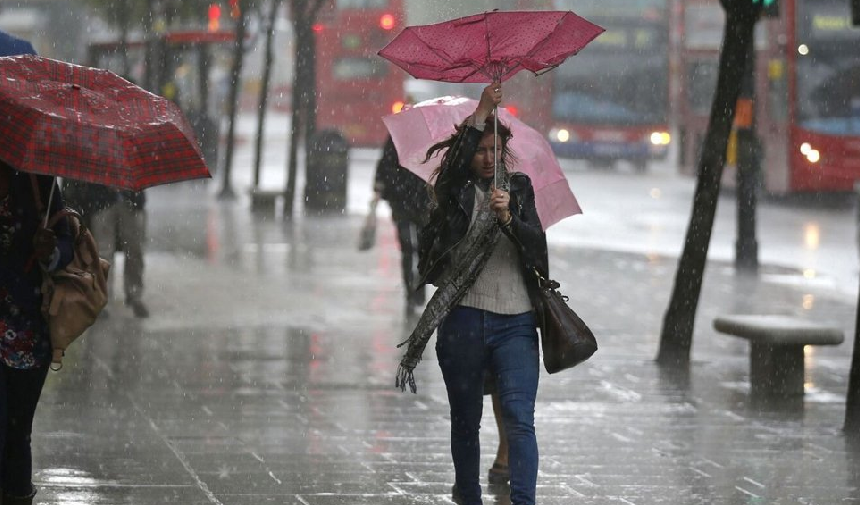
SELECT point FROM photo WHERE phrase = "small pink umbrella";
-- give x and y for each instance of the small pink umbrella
(417, 128)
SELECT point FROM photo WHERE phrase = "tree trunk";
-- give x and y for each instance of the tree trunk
(676, 337)
(123, 20)
(310, 81)
(852, 401)
(310, 86)
(303, 100)
(300, 25)
(264, 92)
(149, 80)
(232, 103)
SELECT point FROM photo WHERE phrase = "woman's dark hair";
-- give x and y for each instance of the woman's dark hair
(443, 178)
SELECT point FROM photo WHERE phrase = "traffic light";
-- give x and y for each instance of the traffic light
(855, 12)
(214, 16)
(770, 8)
(386, 22)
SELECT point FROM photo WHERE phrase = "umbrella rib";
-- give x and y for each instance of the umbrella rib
(548, 35)
(487, 38)
(510, 71)
(541, 41)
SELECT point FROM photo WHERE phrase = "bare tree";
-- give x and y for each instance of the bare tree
(304, 13)
(852, 400)
(264, 90)
(676, 337)
(233, 98)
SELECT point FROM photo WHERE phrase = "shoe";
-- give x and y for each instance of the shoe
(499, 474)
(455, 495)
(18, 500)
(138, 308)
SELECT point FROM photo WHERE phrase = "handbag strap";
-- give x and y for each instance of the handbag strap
(37, 195)
(543, 282)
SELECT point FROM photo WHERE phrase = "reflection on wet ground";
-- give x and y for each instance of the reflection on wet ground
(266, 375)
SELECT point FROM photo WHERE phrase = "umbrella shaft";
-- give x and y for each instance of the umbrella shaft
(496, 146)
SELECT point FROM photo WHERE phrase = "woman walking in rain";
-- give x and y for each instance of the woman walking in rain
(26, 249)
(480, 248)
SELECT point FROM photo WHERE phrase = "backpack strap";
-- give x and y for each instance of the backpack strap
(66, 212)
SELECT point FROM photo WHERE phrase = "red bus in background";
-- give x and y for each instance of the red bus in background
(610, 102)
(355, 87)
(807, 108)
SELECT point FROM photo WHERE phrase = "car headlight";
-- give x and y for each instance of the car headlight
(812, 155)
(561, 135)
(660, 138)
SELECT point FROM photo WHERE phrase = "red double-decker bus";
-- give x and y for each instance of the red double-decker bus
(355, 87)
(807, 108)
(610, 102)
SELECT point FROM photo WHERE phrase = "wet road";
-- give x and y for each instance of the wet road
(265, 375)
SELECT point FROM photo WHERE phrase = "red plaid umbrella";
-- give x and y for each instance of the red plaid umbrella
(491, 46)
(91, 125)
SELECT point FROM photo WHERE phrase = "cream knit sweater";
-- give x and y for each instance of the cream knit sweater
(500, 287)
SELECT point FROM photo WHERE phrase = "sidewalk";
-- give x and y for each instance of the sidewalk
(266, 375)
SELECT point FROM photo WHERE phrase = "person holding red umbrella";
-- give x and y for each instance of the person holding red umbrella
(478, 248)
(26, 250)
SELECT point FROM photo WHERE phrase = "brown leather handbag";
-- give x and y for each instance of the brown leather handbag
(73, 296)
(566, 340)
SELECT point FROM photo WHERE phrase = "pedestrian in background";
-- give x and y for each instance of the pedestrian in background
(479, 248)
(26, 251)
(409, 199)
(117, 220)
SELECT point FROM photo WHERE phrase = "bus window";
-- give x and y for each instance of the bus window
(828, 68)
(777, 91)
(347, 69)
(606, 86)
(362, 4)
(702, 83)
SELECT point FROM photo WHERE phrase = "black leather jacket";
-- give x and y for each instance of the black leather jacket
(437, 239)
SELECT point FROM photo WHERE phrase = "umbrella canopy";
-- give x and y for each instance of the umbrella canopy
(11, 45)
(417, 128)
(491, 46)
(91, 125)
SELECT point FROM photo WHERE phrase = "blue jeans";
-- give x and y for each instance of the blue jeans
(468, 342)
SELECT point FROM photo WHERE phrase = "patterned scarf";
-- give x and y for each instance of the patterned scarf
(472, 255)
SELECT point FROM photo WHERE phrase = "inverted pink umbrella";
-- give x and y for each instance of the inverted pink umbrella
(415, 129)
(490, 47)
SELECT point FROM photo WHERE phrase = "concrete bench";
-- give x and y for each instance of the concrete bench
(264, 200)
(776, 348)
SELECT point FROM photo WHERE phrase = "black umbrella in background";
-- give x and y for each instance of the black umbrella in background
(13, 46)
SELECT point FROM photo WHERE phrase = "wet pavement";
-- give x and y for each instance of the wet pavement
(266, 375)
